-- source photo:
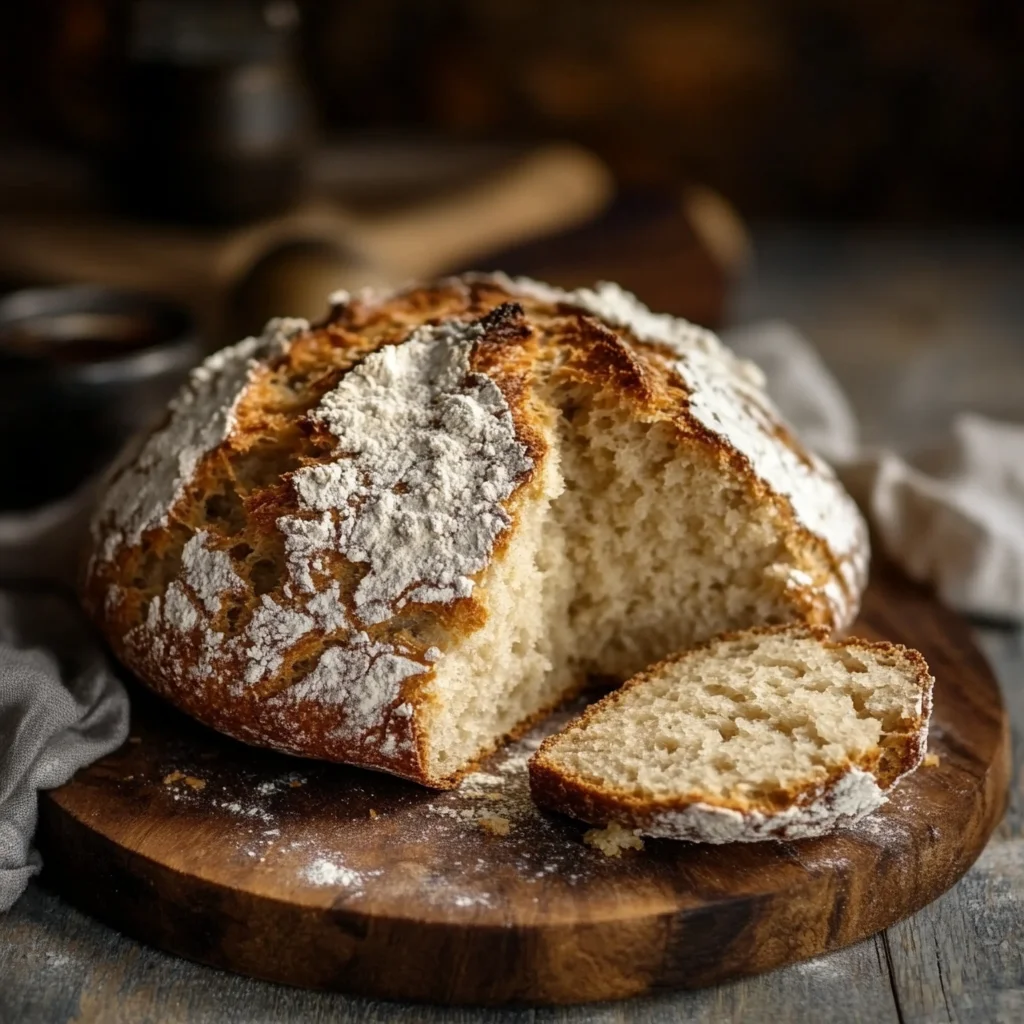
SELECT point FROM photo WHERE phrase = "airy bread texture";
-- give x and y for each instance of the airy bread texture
(398, 537)
(765, 734)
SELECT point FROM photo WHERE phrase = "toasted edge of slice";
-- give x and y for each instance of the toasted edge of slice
(852, 786)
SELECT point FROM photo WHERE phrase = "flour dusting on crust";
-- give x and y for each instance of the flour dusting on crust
(273, 629)
(615, 306)
(209, 572)
(179, 613)
(328, 609)
(854, 794)
(304, 541)
(749, 423)
(427, 452)
(363, 678)
(201, 416)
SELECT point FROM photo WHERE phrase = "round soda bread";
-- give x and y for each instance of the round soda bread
(769, 733)
(399, 536)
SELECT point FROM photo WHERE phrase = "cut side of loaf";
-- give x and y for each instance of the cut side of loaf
(772, 733)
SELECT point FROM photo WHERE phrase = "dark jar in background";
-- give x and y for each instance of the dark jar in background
(214, 123)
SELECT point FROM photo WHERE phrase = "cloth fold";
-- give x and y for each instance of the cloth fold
(61, 708)
(951, 515)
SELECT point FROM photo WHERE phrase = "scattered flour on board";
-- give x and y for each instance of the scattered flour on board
(255, 804)
(460, 823)
(249, 810)
(480, 899)
(325, 872)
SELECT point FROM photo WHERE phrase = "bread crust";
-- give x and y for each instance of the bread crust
(788, 813)
(197, 647)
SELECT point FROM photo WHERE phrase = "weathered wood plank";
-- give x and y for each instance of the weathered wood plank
(58, 966)
(961, 959)
(850, 986)
(1004, 649)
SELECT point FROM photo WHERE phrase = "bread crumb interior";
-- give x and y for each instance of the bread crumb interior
(747, 721)
(630, 550)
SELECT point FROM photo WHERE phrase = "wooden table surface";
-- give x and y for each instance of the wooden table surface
(918, 327)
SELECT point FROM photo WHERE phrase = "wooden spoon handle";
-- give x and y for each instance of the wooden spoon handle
(551, 189)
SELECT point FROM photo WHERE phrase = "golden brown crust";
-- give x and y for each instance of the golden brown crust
(902, 749)
(240, 489)
(261, 714)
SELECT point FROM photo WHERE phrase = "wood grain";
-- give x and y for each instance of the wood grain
(59, 966)
(960, 958)
(277, 868)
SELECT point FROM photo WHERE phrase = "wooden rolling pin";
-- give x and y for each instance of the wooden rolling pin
(234, 279)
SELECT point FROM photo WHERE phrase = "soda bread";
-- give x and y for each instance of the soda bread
(766, 734)
(398, 537)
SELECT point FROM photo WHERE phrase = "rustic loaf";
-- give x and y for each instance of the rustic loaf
(399, 536)
(764, 734)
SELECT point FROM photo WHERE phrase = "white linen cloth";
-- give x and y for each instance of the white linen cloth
(61, 706)
(952, 515)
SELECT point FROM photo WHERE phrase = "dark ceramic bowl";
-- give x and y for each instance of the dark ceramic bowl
(82, 369)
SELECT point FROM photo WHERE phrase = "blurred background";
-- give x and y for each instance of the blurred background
(852, 167)
(793, 108)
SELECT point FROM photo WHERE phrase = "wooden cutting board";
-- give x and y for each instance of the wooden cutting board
(331, 877)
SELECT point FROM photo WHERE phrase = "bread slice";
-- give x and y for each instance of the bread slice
(774, 733)
(399, 536)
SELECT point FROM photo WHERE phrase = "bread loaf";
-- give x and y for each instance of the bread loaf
(401, 535)
(765, 734)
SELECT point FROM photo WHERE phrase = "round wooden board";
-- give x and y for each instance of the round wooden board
(325, 876)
